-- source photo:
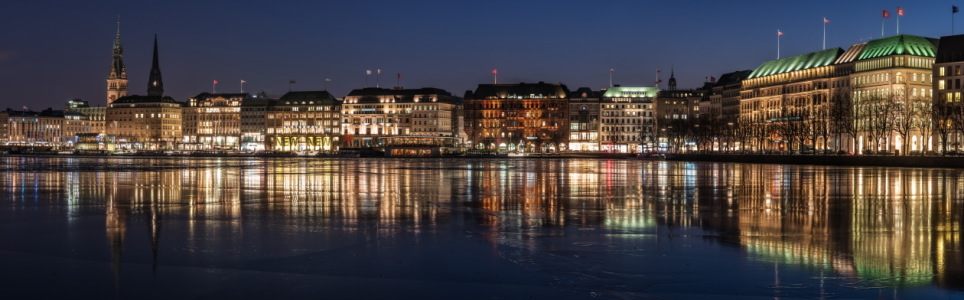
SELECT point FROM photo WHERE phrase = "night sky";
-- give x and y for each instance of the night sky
(51, 51)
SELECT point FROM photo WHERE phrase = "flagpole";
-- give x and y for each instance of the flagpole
(778, 43)
(825, 33)
(953, 12)
(610, 76)
(883, 18)
(898, 20)
(242, 86)
(214, 87)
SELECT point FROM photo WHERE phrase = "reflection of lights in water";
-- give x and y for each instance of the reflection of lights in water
(889, 226)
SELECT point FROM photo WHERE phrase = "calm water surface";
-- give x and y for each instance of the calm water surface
(192, 228)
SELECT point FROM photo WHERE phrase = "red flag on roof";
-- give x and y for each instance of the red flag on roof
(494, 71)
(779, 33)
(900, 11)
(215, 82)
(825, 21)
(886, 14)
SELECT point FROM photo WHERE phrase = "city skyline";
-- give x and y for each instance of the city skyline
(573, 43)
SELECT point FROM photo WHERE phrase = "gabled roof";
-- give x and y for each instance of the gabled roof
(206, 95)
(950, 49)
(308, 96)
(521, 90)
(145, 99)
(733, 77)
(585, 92)
(851, 54)
(398, 92)
(899, 45)
(631, 92)
(256, 102)
(799, 62)
(375, 95)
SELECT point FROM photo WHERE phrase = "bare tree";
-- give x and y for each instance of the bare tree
(941, 115)
(904, 116)
(841, 120)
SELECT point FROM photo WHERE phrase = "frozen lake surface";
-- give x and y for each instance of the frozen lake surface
(293, 228)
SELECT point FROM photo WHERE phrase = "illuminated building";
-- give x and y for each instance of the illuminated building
(785, 103)
(627, 119)
(253, 111)
(406, 118)
(151, 122)
(724, 113)
(117, 79)
(675, 116)
(524, 117)
(83, 118)
(84, 125)
(947, 108)
(30, 128)
(892, 94)
(873, 97)
(584, 119)
(213, 121)
(303, 121)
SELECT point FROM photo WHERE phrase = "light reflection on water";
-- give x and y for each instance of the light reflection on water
(890, 228)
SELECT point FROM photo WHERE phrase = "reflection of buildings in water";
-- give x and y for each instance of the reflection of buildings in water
(387, 194)
(116, 227)
(880, 227)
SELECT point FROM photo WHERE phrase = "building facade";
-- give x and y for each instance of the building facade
(378, 117)
(584, 120)
(785, 103)
(213, 121)
(892, 87)
(37, 129)
(948, 109)
(92, 117)
(303, 121)
(524, 117)
(676, 115)
(253, 128)
(627, 119)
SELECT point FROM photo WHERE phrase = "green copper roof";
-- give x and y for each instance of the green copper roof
(799, 62)
(899, 45)
(631, 92)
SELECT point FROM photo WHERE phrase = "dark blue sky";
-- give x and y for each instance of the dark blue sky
(54, 50)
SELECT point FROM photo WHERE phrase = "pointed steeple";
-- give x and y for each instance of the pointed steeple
(155, 85)
(672, 79)
(117, 79)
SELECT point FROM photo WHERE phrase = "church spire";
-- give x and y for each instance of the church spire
(117, 79)
(672, 79)
(155, 85)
